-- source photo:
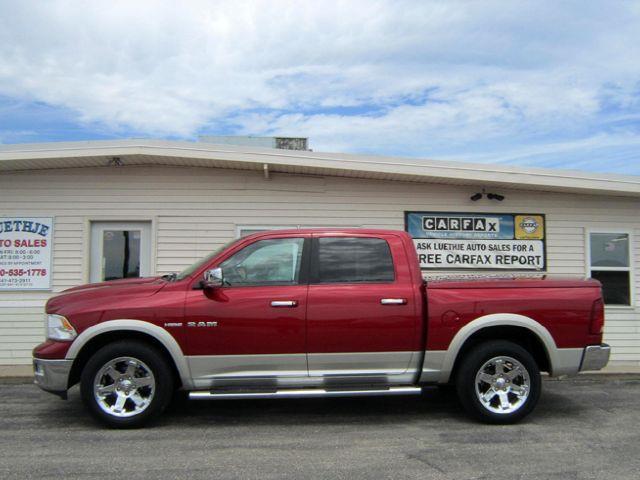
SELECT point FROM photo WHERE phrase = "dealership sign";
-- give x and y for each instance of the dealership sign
(492, 241)
(25, 253)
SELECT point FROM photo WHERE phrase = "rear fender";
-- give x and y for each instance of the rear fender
(439, 364)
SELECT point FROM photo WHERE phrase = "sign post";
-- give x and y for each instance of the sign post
(25, 253)
(478, 241)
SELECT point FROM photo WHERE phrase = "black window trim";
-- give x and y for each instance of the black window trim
(314, 267)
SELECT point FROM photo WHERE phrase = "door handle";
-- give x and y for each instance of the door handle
(393, 301)
(284, 303)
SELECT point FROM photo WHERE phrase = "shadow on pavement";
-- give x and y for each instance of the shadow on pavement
(434, 405)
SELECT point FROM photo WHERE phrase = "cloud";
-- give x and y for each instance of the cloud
(431, 79)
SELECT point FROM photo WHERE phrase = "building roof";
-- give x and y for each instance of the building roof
(18, 157)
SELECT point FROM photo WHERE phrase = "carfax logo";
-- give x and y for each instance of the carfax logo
(461, 224)
(529, 227)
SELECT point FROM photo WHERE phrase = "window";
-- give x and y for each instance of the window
(610, 264)
(120, 250)
(265, 262)
(348, 260)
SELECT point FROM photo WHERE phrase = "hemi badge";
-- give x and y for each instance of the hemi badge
(173, 324)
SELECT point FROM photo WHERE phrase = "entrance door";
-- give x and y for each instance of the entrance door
(120, 250)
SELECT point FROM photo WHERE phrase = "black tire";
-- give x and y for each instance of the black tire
(147, 357)
(492, 410)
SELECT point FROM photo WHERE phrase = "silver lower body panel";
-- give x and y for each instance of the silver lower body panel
(361, 363)
(566, 361)
(291, 370)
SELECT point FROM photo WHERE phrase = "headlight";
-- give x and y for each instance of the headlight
(59, 328)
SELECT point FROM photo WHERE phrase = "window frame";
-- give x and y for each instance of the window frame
(313, 272)
(630, 268)
(88, 220)
(148, 247)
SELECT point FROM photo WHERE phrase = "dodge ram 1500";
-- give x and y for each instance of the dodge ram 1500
(318, 312)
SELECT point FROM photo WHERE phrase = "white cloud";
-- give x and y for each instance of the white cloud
(427, 77)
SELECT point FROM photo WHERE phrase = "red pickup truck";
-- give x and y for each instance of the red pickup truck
(307, 313)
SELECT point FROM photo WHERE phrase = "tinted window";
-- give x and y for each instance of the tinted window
(265, 262)
(342, 260)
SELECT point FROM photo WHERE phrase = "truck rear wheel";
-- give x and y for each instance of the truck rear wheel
(498, 382)
(126, 383)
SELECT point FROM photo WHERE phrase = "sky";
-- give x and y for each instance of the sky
(545, 84)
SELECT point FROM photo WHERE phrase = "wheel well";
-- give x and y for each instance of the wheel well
(103, 339)
(520, 335)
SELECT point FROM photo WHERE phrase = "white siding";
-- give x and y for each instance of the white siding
(194, 210)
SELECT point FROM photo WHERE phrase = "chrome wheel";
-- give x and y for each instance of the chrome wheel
(502, 385)
(124, 387)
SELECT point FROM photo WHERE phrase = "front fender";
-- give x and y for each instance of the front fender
(158, 333)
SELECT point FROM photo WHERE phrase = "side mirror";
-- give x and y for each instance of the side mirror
(213, 278)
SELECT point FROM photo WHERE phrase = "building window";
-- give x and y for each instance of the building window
(610, 263)
(120, 250)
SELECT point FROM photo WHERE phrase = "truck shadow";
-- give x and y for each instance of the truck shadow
(433, 406)
(329, 411)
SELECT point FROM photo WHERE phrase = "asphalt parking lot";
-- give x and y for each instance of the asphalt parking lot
(588, 427)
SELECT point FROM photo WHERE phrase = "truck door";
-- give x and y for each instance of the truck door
(361, 312)
(252, 330)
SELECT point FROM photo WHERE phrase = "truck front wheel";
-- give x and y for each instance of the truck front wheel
(126, 383)
(498, 382)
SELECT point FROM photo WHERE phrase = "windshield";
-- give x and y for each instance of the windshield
(187, 272)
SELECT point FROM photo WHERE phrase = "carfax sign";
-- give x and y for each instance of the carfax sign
(478, 241)
(25, 253)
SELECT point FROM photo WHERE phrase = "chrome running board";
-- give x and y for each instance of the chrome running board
(305, 393)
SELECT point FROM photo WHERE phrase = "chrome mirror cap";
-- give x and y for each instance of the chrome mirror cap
(213, 278)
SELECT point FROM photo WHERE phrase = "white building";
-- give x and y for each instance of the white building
(171, 203)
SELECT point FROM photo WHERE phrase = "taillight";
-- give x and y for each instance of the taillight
(596, 326)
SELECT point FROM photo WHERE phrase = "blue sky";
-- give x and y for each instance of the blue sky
(547, 84)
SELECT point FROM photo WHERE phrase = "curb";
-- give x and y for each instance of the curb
(15, 380)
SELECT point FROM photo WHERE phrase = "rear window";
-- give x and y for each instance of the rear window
(349, 260)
